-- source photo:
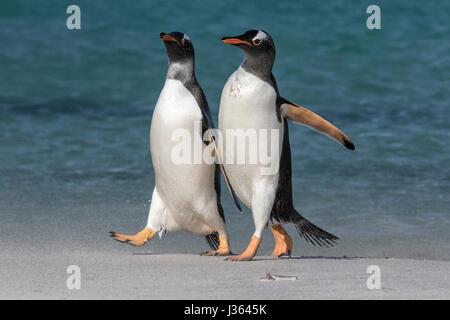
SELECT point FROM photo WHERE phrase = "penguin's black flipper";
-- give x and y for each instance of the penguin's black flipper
(208, 126)
(308, 118)
(312, 233)
(213, 240)
(224, 173)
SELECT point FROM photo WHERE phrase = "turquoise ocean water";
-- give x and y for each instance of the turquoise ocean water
(75, 110)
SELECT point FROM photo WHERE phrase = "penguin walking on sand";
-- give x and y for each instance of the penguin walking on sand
(186, 195)
(250, 101)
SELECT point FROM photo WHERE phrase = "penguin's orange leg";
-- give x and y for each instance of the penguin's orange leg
(223, 250)
(250, 252)
(139, 239)
(283, 242)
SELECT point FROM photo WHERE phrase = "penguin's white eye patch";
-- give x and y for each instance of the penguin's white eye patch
(185, 40)
(260, 36)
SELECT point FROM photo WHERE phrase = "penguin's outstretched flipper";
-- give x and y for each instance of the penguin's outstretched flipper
(310, 119)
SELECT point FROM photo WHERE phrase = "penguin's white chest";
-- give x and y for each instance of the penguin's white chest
(248, 113)
(176, 109)
(183, 186)
(176, 114)
(244, 93)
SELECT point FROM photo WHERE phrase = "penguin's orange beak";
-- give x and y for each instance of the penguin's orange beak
(235, 41)
(167, 37)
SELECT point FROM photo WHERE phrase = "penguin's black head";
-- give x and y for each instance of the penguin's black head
(258, 47)
(253, 42)
(179, 46)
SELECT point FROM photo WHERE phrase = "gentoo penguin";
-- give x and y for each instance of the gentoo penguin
(186, 195)
(251, 101)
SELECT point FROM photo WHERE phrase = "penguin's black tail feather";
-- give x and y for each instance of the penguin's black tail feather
(213, 240)
(312, 233)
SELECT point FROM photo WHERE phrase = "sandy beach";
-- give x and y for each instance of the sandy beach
(132, 274)
(34, 259)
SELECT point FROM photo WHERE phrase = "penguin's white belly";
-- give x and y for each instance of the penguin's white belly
(249, 103)
(187, 189)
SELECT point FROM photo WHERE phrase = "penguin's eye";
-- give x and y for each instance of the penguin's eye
(256, 42)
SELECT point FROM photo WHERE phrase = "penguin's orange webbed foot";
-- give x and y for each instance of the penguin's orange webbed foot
(283, 242)
(217, 252)
(139, 239)
(243, 257)
(223, 250)
(250, 252)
